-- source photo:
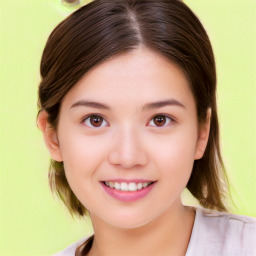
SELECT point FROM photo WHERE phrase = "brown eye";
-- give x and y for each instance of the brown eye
(95, 121)
(160, 120)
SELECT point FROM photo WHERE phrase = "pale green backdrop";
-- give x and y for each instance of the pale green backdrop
(32, 223)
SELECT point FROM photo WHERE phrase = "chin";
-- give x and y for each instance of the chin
(129, 224)
(129, 221)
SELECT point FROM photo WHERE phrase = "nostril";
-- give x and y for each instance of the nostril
(113, 158)
(127, 151)
(128, 161)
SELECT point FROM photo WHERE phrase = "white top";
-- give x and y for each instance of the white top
(214, 234)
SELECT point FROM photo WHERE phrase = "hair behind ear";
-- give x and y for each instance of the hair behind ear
(57, 178)
(59, 185)
(209, 182)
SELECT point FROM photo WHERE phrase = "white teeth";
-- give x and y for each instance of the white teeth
(123, 186)
(132, 186)
(144, 184)
(117, 186)
(139, 186)
(111, 184)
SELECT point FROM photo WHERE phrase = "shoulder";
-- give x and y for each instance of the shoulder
(221, 233)
(70, 250)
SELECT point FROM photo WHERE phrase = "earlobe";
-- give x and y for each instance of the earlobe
(50, 136)
(203, 135)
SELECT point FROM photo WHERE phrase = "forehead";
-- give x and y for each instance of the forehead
(135, 77)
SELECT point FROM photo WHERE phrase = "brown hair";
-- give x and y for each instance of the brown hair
(103, 29)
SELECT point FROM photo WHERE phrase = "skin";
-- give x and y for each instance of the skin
(130, 144)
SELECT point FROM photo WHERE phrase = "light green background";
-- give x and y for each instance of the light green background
(31, 221)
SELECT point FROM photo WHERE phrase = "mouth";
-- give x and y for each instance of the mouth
(128, 186)
(128, 191)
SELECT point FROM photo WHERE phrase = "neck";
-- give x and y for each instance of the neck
(167, 235)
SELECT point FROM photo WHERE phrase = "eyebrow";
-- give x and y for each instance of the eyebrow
(146, 107)
(163, 103)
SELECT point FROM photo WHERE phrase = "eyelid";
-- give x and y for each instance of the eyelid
(104, 119)
(166, 116)
(90, 115)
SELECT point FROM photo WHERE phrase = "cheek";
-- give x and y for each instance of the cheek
(174, 154)
(175, 162)
(81, 154)
(82, 157)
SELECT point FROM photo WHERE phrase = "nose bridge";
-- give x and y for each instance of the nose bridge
(128, 150)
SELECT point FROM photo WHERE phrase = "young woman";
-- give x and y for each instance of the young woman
(128, 112)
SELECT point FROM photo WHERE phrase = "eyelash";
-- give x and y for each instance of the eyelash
(99, 116)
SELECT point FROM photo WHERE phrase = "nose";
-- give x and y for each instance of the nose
(127, 150)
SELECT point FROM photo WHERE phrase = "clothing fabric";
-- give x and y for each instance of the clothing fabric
(214, 233)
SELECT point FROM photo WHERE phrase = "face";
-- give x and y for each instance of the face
(128, 136)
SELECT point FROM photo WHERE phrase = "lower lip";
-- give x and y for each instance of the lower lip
(128, 196)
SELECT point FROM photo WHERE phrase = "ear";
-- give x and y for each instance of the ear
(203, 135)
(50, 136)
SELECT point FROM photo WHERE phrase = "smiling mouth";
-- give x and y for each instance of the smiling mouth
(128, 186)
